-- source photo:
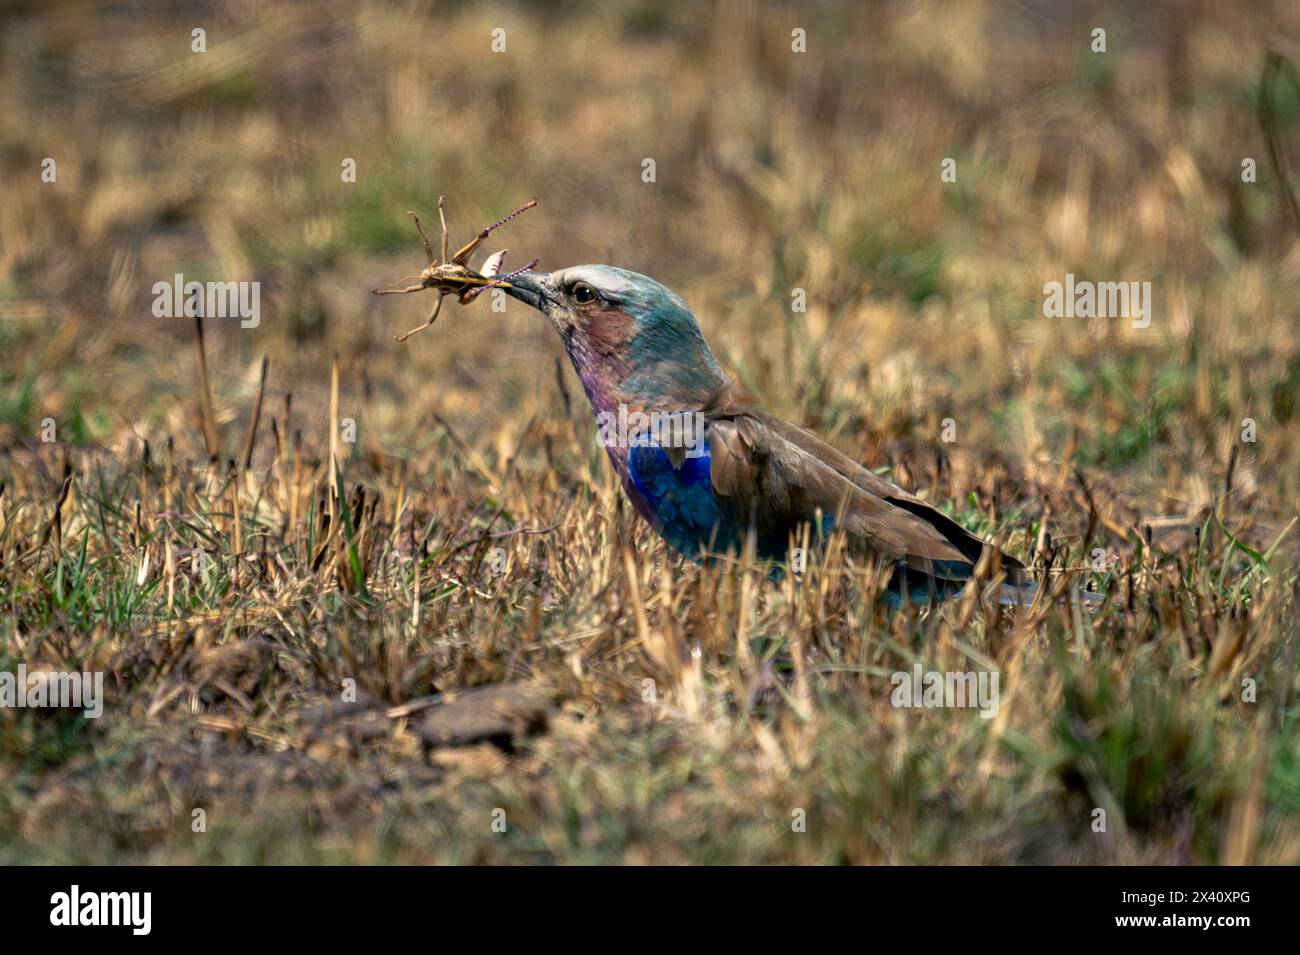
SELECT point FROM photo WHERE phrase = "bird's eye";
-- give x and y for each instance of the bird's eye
(584, 294)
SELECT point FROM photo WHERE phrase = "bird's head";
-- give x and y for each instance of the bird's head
(623, 329)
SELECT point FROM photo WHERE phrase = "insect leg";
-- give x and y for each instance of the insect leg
(470, 294)
(462, 255)
(441, 202)
(398, 291)
(432, 318)
(424, 238)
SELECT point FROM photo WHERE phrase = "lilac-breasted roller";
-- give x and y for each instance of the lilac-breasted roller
(638, 351)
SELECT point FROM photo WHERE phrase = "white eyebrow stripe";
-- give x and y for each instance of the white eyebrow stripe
(599, 277)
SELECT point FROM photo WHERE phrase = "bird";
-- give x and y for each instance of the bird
(707, 467)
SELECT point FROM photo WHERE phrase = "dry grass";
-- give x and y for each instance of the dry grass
(229, 601)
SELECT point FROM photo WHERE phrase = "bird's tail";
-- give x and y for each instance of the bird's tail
(1022, 595)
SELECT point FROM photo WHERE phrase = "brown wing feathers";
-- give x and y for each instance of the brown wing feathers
(779, 475)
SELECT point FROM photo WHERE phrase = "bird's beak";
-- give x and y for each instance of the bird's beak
(533, 289)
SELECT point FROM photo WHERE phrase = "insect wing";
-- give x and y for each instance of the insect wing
(492, 267)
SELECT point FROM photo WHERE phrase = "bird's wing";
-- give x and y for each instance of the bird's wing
(778, 476)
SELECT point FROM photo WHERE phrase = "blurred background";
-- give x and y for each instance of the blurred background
(774, 170)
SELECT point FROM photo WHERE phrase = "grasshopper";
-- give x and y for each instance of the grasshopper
(453, 276)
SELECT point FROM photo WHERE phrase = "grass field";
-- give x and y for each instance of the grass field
(169, 515)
